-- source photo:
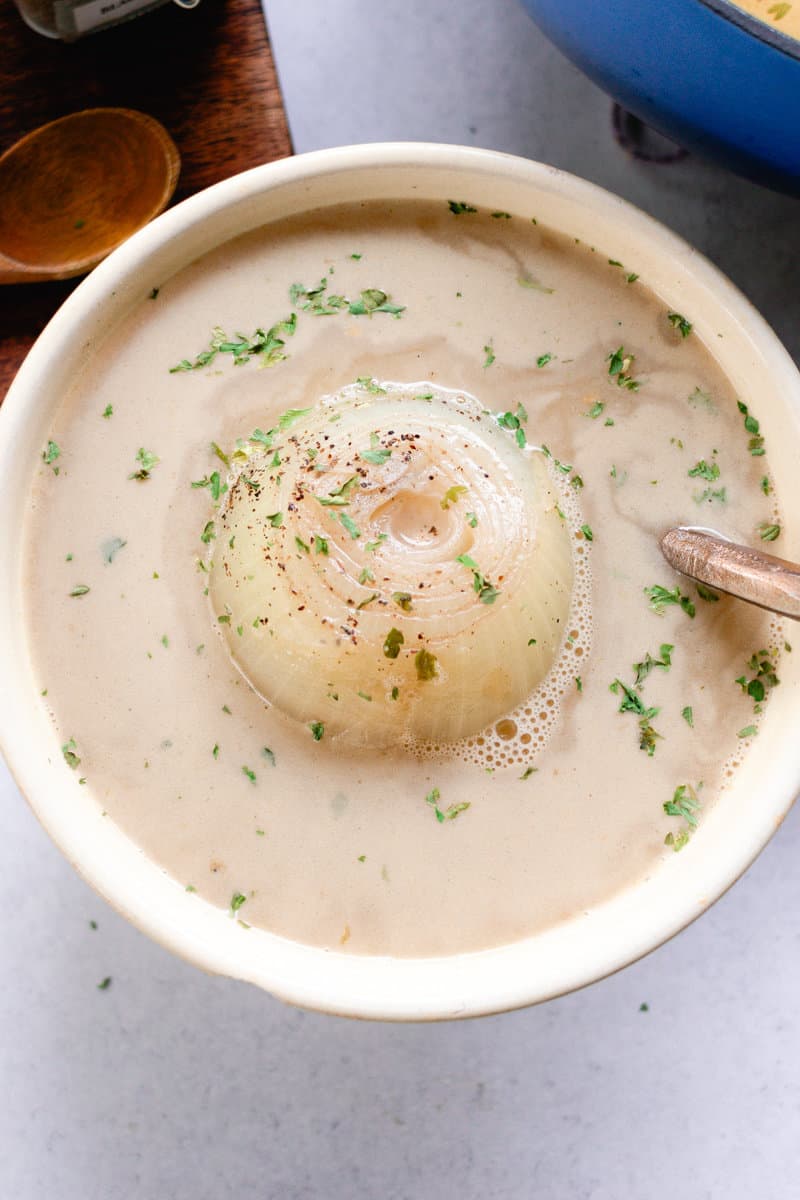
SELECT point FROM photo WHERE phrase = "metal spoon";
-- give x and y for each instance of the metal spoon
(74, 189)
(751, 575)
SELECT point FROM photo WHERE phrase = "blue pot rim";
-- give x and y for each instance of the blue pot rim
(755, 26)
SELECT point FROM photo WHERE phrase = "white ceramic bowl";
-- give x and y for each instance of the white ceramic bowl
(589, 945)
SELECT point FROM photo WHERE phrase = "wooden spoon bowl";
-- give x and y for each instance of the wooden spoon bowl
(79, 186)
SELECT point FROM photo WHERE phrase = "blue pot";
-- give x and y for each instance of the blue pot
(702, 72)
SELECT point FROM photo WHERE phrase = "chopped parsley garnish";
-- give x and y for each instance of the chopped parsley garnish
(763, 677)
(711, 494)
(376, 454)
(373, 300)
(104, 984)
(237, 900)
(684, 804)
(579, 683)
(513, 422)
(350, 525)
(459, 207)
(472, 520)
(392, 643)
(661, 597)
(526, 774)
(317, 730)
(544, 359)
(632, 702)
(680, 323)
(748, 731)
(704, 470)
(688, 715)
(501, 216)
(395, 692)
(215, 750)
(769, 533)
(108, 411)
(706, 593)
(379, 540)
(489, 354)
(756, 443)
(301, 545)
(664, 661)
(586, 530)
(452, 495)
(779, 11)
(369, 599)
(251, 775)
(526, 280)
(487, 593)
(291, 416)
(147, 460)
(366, 576)
(765, 485)
(208, 532)
(80, 589)
(434, 796)
(320, 544)
(69, 750)
(275, 519)
(402, 600)
(370, 385)
(51, 452)
(619, 367)
(595, 411)
(268, 345)
(269, 755)
(425, 664)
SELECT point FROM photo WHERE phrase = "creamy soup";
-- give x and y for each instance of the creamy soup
(782, 16)
(344, 585)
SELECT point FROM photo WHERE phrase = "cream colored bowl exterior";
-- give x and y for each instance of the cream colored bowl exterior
(589, 945)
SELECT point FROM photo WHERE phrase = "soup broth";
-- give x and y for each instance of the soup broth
(198, 505)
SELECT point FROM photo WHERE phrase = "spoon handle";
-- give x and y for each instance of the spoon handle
(749, 574)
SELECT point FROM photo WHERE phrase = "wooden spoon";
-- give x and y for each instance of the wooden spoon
(749, 574)
(74, 189)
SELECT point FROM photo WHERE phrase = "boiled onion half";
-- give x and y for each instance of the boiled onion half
(393, 564)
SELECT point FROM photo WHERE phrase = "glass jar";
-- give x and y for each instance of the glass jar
(72, 19)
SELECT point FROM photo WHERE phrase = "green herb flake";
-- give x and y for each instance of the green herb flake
(472, 520)
(756, 442)
(704, 470)
(69, 750)
(586, 530)
(688, 715)
(317, 730)
(80, 589)
(320, 543)
(489, 355)
(403, 600)
(108, 411)
(350, 525)
(237, 900)
(680, 323)
(147, 461)
(104, 984)
(748, 731)
(661, 597)
(459, 207)
(452, 495)
(595, 411)
(51, 452)
(268, 345)
(301, 545)
(765, 485)
(371, 547)
(619, 367)
(526, 774)
(769, 533)
(392, 643)
(544, 359)
(487, 593)
(377, 454)
(208, 533)
(707, 593)
(425, 664)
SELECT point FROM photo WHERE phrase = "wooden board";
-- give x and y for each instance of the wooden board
(206, 73)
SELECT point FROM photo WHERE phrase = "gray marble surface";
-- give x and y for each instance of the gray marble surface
(171, 1084)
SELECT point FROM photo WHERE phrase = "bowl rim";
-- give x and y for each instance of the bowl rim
(755, 26)
(461, 985)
